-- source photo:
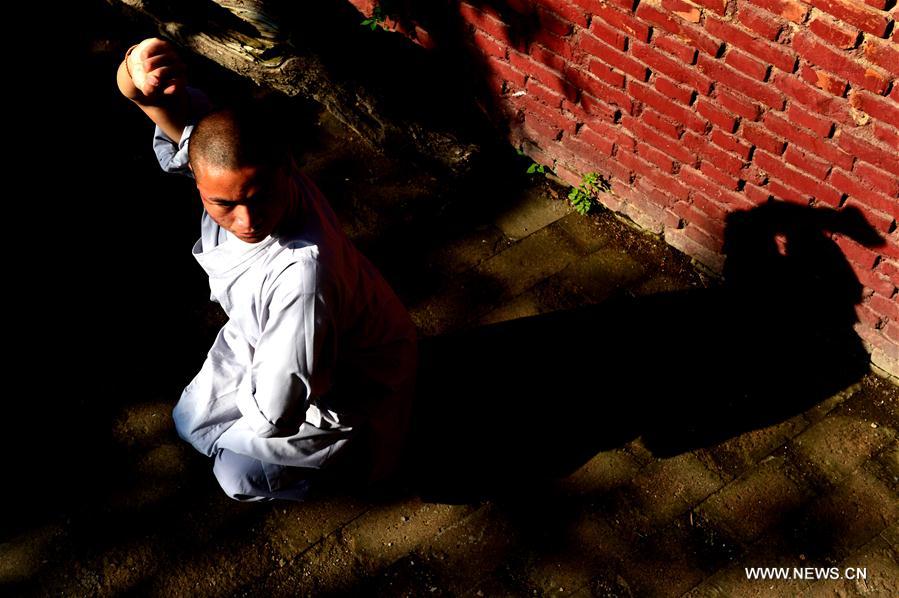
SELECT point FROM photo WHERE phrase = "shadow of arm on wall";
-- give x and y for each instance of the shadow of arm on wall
(537, 397)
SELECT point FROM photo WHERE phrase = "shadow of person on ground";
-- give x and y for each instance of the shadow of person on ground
(505, 405)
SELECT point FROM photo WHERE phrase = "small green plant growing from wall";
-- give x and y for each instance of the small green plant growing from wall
(583, 196)
(376, 20)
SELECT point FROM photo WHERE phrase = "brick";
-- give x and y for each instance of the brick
(805, 161)
(705, 238)
(731, 143)
(810, 48)
(601, 91)
(686, 11)
(635, 28)
(822, 103)
(721, 118)
(876, 106)
(545, 113)
(620, 61)
(778, 55)
(823, 80)
(724, 161)
(667, 87)
(601, 142)
(884, 306)
(671, 68)
(653, 137)
(864, 193)
(505, 71)
(754, 89)
(547, 58)
(738, 104)
(834, 32)
(787, 193)
(759, 21)
(596, 108)
(588, 43)
(489, 45)
(822, 126)
(873, 280)
(856, 253)
(792, 10)
(539, 130)
(746, 64)
(756, 195)
(882, 53)
(758, 136)
(882, 222)
(877, 178)
(549, 77)
(665, 106)
(661, 123)
(727, 181)
(809, 141)
(863, 17)
(890, 269)
(796, 179)
(606, 73)
(553, 24)
(887, 134)
(719, 6)
(486, 23)
(569, 12)
(554, 43)
(659, 178)
(658, 158)
(695, 179)
(544, 94)
(688, 31)
(712, 221)
(670, 44)
(869, 151)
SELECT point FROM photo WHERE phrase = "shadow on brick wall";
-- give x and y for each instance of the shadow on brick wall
(505, 405)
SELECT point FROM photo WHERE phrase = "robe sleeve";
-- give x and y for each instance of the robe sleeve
(172, 155)
(294, 355)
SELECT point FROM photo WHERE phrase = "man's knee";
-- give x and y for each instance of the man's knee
(241, 477)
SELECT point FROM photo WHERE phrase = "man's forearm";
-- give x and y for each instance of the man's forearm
(169, 111)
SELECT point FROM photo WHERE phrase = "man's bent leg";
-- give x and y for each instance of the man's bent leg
(250, 480)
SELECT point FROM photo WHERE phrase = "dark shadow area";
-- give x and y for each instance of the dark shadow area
(505, 405)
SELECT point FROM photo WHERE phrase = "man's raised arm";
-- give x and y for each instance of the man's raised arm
(153, 76)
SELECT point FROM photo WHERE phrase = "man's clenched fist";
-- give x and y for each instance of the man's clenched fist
(156, 68)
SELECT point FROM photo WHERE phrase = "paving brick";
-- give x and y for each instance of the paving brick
(836, 446)
(590, 232)
(533, 212)
(670, 562)
(526, 304)
(467, 250)
(834, 525)
(885, 465)
(826, 406)
(735, 455)
(538, 256)
(755, 501)
(589, 280)
(881, 574)
(604, 472)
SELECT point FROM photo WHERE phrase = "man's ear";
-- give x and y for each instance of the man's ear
(190, 167)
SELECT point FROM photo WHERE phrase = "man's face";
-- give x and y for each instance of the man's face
(249, 202)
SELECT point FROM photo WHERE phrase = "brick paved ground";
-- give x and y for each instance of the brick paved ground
(813, 485)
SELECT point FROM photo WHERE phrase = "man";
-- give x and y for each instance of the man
(318, 354)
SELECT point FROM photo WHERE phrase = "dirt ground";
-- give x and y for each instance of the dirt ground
(596, 417)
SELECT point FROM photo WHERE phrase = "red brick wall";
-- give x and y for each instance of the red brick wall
(699, 108)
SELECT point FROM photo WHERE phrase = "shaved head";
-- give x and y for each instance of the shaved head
(235, 137)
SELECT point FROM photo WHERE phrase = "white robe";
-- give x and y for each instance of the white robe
(316, 344)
